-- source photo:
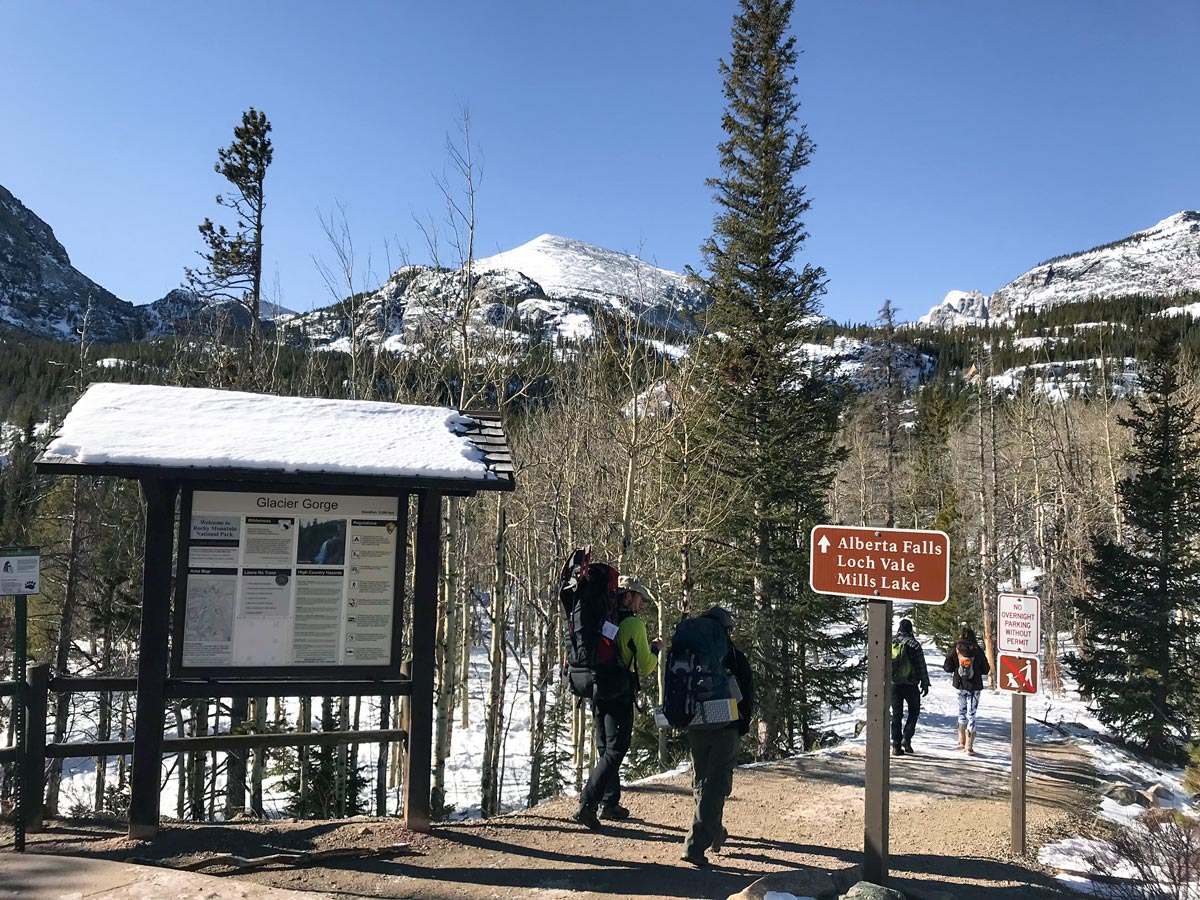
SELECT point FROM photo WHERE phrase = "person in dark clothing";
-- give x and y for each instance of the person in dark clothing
(969, 664)
(613, 712)
(910, 682)
(714, 756)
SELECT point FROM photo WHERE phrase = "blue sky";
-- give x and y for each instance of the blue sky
(957, 144)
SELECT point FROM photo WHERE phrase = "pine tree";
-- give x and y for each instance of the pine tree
(234, 260)
(770, 412)
(1135, 662)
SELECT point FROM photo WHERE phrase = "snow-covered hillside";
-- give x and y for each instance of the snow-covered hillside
(552, 287)
(1160, 261)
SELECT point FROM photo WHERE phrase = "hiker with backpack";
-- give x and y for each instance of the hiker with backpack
(705, 667)
(969, 664)
(910, 682)
(614, 693)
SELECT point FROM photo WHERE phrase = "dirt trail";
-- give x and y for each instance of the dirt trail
(949, 824)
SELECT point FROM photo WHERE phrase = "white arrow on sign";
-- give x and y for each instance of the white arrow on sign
(823, 543)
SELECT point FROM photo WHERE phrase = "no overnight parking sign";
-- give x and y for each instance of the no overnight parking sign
(909, 564)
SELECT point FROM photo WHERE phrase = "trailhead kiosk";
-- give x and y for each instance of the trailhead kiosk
(276, 550)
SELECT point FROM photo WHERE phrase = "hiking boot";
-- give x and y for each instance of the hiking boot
(897, 750)
(908, 746)
(962, 736)
(614, 812)
(719, 841)
(699, 860)
(586, 816)
(970, 743)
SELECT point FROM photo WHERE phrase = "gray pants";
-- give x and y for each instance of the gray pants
(714, 754)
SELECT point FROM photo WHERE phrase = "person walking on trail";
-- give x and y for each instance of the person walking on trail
(715, 752)
(969, 664)
(910, 682)
(613, 712)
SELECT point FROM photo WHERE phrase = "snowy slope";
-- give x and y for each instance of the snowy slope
(584, 274)
(1160, 261)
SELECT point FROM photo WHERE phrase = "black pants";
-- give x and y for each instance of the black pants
(714, 754)
(901, 694)
(614, 731)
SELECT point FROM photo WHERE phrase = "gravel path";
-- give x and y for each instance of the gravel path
(949, 824)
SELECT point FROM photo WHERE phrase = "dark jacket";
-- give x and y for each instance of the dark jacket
(916, 655)
(979, 665)
(739, 667)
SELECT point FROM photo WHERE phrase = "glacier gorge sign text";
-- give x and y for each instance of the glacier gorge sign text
(881, 563)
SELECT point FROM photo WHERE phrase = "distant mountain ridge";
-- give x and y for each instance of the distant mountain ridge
(42, 294)
(1161, 261)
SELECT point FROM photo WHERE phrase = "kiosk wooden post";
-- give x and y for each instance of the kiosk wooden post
(417, 774)
(150, 719)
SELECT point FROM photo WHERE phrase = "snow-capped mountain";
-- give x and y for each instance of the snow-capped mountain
(1161, 261)
(957, 310)
(553, 287)
(585, 275)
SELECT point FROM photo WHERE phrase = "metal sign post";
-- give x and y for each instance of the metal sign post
(1020, 636)
(20, 575)
(880, 565)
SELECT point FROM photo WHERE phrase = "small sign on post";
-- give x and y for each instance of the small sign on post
(20, 571)
(879, 565)
(1020, 623)
(1018, 673)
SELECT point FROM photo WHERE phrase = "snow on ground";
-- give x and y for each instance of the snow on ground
(463, 767)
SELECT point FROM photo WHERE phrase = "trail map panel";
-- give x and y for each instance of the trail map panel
(287, 580)
(906, 564)
(1020, 623)
(20, 571)
(1019, 674)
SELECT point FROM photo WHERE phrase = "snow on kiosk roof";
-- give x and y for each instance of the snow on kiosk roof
(148, 431)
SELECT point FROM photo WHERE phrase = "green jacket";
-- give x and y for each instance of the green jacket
(634, 644)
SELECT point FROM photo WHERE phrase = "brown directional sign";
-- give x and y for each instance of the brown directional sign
(908, 564)
(1018, 673)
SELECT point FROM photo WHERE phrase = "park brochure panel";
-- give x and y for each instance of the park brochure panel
(279, 579)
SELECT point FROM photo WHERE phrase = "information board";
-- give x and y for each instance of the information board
(1019, 674)
(1020, 623)
(885, 563)
(281, 580)
(20, 571)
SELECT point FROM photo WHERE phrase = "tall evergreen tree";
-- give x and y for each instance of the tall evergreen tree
(1135, 664)
(769, 410)
(234, 259)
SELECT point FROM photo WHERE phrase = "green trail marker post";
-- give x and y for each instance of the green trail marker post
(20, 576)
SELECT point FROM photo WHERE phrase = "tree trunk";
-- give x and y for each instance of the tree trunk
(260, 754)
(62, 655)
(498, 660)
